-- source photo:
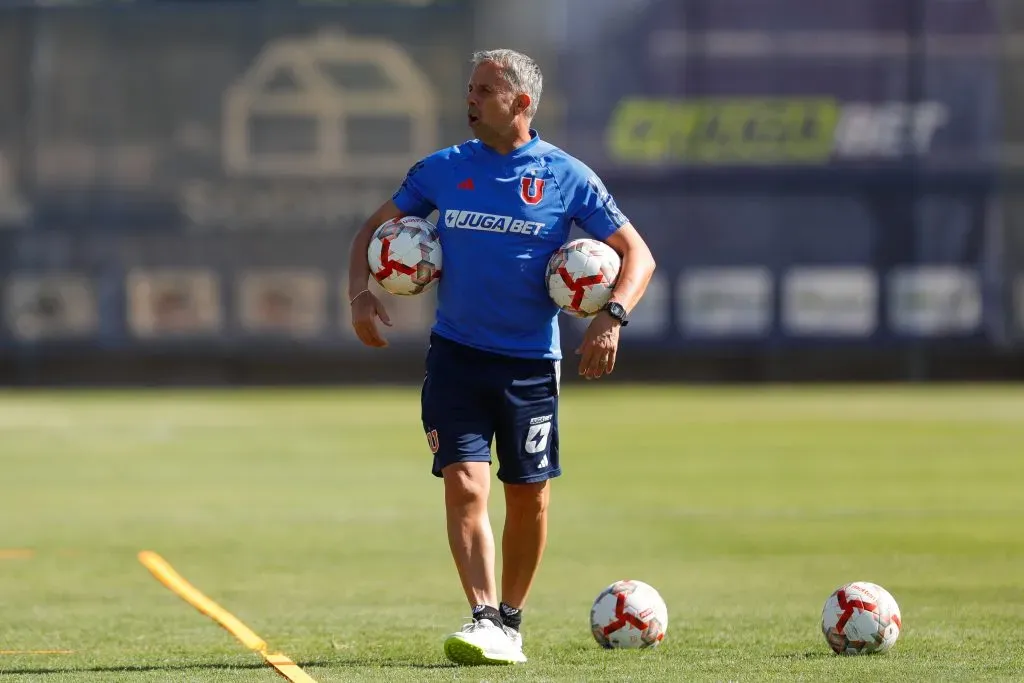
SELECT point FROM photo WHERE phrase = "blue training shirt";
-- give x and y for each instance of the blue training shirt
(501, 217)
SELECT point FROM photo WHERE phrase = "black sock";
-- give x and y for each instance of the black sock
(511, 616)
(481, 612)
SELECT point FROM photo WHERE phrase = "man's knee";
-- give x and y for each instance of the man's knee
(528, 498)
(466, 484)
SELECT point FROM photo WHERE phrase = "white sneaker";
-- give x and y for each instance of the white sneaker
(515, 636)
(484, 642)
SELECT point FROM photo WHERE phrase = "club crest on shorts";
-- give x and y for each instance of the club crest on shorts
(531, 189)
(432, 441)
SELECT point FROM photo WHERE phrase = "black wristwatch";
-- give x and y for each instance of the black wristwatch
(616, 311)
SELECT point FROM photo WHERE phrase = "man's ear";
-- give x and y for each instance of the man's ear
(523, 102)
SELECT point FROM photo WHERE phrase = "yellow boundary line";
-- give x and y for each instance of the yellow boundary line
(166, 575)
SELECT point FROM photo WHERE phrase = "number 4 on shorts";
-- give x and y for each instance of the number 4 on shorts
(537, 438)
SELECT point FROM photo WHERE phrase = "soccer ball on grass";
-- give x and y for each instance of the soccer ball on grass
(581, 275)
(629, 615)
(861, 618)
(405, 256)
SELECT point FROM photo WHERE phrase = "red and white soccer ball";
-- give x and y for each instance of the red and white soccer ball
(405, 256)
(628, 615)
(861, 618)
(581, 275)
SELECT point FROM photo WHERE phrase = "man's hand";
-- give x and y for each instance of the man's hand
(600, 344)
(365, 309)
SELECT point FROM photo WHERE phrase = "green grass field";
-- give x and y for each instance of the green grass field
(312, 517)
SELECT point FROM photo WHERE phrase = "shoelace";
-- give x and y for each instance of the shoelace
(475, 625)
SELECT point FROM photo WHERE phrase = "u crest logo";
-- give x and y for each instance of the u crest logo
(432, 440)
(531, 189)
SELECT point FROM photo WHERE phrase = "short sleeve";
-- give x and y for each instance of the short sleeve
(590, 204)
(415, 195)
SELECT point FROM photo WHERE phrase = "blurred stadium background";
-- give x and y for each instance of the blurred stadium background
(834, 190)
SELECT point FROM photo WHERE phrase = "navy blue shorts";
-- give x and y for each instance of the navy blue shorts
(472, 398)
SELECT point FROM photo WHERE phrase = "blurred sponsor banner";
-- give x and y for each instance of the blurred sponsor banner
(726, 302)
(204, 290)
(830, 302)
(173, 303)
(713, 82)
(769, 130)
(59, 306)
(289, 303)
(935, 300)
(805, 171)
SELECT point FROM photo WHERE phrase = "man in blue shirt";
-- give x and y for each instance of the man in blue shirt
(506, 201)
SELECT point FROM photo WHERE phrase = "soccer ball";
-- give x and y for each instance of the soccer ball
(581, 275)
(405, 255)
(629, 614)
(861, 618)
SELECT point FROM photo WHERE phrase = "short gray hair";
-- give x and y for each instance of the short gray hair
(521, 72)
